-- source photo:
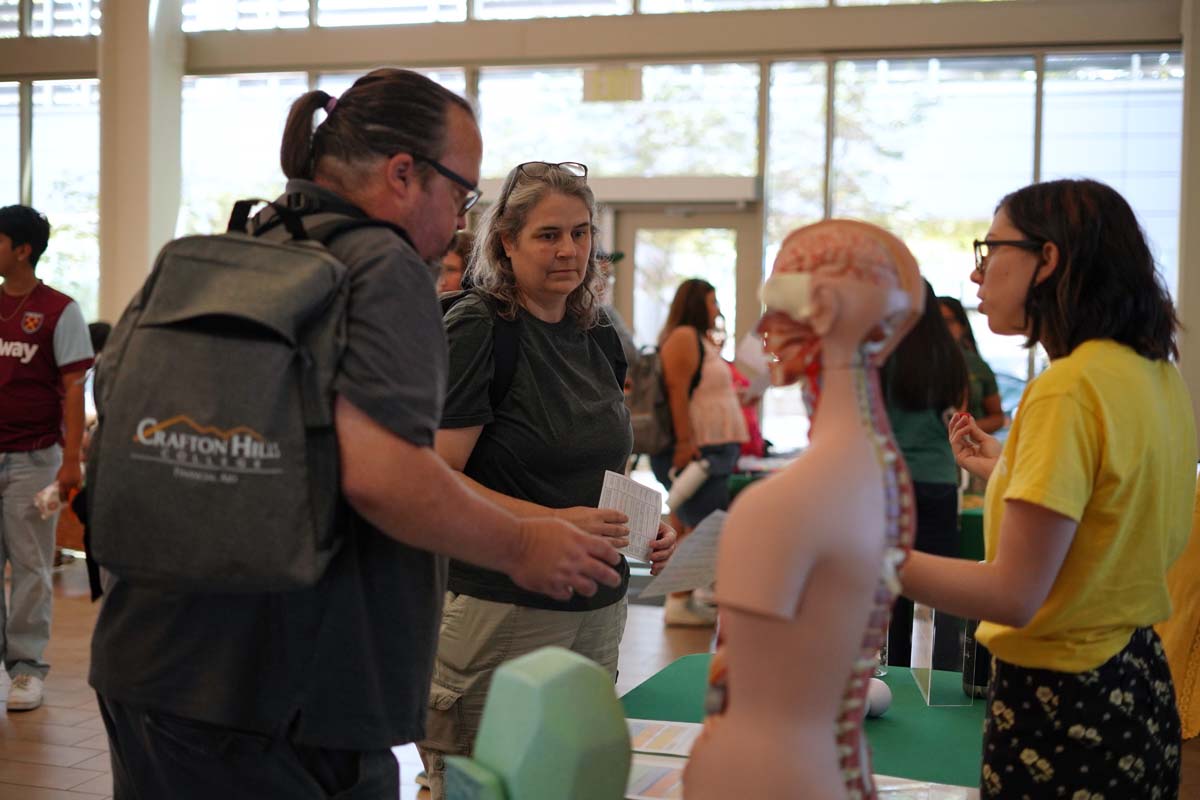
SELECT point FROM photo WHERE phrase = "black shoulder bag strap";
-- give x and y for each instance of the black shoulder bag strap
(506, 342)
(699, 364)
(605, 335)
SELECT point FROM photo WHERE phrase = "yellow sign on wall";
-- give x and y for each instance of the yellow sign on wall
(612, 84)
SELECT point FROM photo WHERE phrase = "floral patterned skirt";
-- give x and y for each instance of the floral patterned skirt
(1111, 733)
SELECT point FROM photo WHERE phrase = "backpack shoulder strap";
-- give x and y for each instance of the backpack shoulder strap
(699, 364)
(326, 232)
(295, 207)
(605, 335)
(506, 342)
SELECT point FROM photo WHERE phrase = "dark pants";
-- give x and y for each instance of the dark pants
(713, 494)
(1110, 732)
(937, 533)
(157, 755)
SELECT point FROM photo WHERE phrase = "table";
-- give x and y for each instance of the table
(970, 531)
(912, 740)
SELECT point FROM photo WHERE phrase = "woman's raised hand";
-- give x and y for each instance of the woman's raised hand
(974, 450)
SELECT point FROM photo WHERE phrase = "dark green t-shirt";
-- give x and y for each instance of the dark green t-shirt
(562, 423)
(925, 445)
(981, 382)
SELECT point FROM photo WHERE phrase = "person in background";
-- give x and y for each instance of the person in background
(44, 356)
(541, 450)
(1089, 503)
(455, 263)
(707, 418)
(754, 445)
(924, 383)
(983, 399)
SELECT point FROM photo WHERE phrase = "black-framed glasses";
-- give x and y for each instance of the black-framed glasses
(538, 169)
(473, 191)
(984, 247)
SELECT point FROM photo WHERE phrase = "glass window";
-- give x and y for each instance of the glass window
(693, 119)
(221, 163)
(901, 2)
(1118, 118)
(336, 13)
(10, 18)
(795, 186)
(665, 258)
(229, 15)
(10, 144)
(527, 9)
(673, 6)
(66, 122)
(337, 82)
(795, 150)
(65, 18)
(925, 148)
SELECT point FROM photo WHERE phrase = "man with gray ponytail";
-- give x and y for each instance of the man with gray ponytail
(302, 694)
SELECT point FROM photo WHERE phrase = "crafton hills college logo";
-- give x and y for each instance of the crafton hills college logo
(204, 452)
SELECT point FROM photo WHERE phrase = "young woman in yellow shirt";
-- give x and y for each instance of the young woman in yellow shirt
(1088, 504)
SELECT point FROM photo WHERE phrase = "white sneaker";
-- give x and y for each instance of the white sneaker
(705, 596)
(26, 693)
(683, 612)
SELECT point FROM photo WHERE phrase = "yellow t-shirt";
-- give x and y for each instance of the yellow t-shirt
(1106, 438)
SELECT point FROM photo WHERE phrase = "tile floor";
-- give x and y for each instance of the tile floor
(60, 752)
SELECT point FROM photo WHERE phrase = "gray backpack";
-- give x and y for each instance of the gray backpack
(215, 467)
(649, 406)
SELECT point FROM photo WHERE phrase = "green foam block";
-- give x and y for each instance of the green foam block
(553, 729)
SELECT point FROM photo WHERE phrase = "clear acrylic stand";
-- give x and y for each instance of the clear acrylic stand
(939, 654)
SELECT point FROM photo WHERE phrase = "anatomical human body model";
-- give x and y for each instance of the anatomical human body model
(806, 573)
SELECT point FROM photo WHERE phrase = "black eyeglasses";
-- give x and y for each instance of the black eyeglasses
(473, 191)
(538, 169)
(983, 249)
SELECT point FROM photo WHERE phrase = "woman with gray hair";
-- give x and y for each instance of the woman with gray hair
(542, 448)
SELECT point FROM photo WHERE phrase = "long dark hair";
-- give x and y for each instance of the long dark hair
(960, 316)
(386, 111)
(1105, 285)
(688, 307)
(927, 371)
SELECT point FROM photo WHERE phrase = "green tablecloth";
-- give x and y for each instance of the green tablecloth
(970, 531)
(911, 740)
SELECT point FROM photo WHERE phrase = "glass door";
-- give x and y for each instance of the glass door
(665, 247)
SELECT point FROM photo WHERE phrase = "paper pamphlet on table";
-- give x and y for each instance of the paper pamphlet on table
(694, 563)
(751, 359)
(754, 363)
(903, 789)
(662, 737)
(641, 504)
(772, 463)
(655, 777)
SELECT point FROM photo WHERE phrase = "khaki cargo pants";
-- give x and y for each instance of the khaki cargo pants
(477, 636)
